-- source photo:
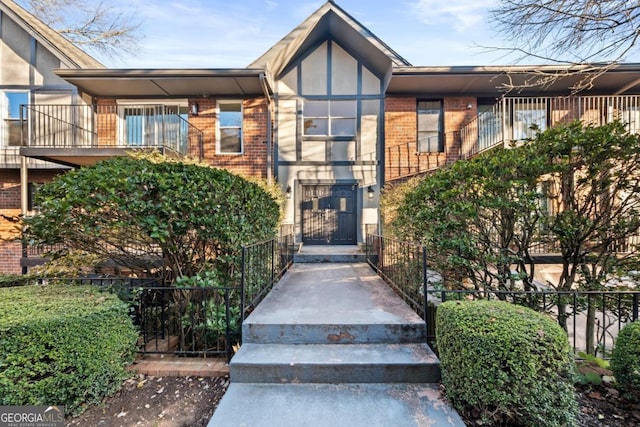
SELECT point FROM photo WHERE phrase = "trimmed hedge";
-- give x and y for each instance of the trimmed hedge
(625, 361)
(509, 362)
(62, 345)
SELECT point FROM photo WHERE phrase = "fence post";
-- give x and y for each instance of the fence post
(273, 260)
(242, 284)
(228, 331)
(425, 287)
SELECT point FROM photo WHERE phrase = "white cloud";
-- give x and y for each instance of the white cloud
(463, 15)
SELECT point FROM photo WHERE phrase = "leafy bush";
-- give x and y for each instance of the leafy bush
(512, 364)
(202, 310)
(154, 215)
(62, 345)
(625, 361)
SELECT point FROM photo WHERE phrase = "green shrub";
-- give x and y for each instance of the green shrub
(512, 364)
(62, 345)
(625, 361)
(10, 280)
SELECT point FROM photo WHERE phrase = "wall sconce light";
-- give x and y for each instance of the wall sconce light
(288, 191)
(469, 106)
(194, 109)
(370, 192)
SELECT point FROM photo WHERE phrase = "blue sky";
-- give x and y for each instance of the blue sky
(226, 34)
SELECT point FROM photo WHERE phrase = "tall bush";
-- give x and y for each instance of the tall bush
(62, 345)
(512, 364)
(149, 214)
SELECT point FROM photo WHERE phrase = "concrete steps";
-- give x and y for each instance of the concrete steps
(330, 363)
(388, 333)
(334, 405)
(333, 345)
(328, 254)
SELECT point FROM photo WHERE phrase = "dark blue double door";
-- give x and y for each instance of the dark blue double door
(329, 214)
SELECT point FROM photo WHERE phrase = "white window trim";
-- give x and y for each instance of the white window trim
(218, 140)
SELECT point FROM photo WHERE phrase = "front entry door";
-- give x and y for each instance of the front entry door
(329, 214)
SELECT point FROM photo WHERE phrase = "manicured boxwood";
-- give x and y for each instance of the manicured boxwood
(512, 364)
(625, 361)
(62, 345)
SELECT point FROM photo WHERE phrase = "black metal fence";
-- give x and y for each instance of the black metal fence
(592, 319)
(262, 266)
(403, 266)
(201, 321)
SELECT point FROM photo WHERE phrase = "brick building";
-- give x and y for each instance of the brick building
(330, 112)
(29, 52)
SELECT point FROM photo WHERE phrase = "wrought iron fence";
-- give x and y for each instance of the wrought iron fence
(592, 319)
(403, 266)
(202, 321)
(263, 264)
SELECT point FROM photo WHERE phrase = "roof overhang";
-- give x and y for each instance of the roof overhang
(490, 81)
(169, 83)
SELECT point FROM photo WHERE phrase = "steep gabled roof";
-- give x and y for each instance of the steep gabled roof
(71, 55)
(333, 20)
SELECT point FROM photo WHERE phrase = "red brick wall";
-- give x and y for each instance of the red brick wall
(11, 251)
(253, 160)
(401, 129)
(107, 122)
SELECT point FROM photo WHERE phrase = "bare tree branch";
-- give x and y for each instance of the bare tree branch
(92, 25)
(588, 36)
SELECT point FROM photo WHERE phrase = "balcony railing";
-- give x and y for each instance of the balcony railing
(512, 118)
(112, 126)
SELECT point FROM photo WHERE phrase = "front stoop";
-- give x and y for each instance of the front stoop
(329, 254)
(334, 405)
(332, 345)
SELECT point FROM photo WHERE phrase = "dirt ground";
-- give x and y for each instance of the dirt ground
(157, 402)
(190, 402)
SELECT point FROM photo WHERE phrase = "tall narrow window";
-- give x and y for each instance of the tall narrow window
(430, 118)
(230, 127)
(13, 126)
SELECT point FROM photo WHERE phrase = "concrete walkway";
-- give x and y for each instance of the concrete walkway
(332, 345)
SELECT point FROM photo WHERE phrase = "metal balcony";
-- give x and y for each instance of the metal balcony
(78, 135)
(511, 118)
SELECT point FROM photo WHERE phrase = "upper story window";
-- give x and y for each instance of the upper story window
(230, 127)
(150, 124)
(430, 124)
(529, 117)
(330, 117)
(13, 126)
